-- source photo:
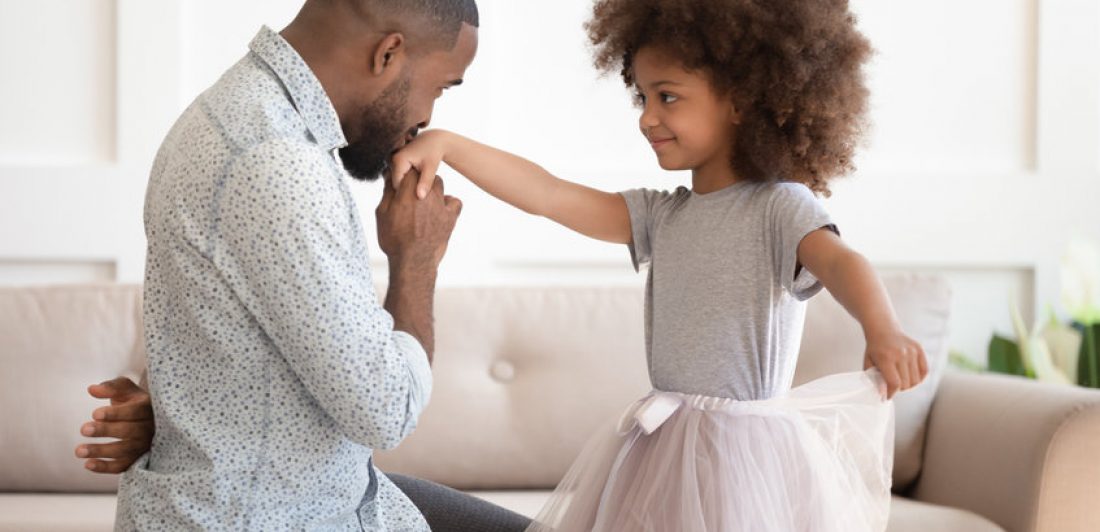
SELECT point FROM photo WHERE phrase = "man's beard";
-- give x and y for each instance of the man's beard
(382, 126)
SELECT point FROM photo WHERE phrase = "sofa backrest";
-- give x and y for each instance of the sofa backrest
(522, 377)
(54, 342)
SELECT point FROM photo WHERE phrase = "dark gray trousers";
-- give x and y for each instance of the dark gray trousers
(449, 510)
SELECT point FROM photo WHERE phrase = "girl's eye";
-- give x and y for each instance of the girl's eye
(668, 98)
(639, 99)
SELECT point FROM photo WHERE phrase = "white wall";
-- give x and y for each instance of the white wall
(982, 163)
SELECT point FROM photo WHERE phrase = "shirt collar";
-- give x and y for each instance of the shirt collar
(302, 85)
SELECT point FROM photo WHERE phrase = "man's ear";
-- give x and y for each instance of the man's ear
(389, 52)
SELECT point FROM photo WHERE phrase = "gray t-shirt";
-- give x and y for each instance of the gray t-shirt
(725, 298)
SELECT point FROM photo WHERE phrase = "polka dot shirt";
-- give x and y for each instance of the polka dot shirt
(273, 369)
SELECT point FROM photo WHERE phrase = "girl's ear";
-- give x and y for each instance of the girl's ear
(387, 54)
(735, 114)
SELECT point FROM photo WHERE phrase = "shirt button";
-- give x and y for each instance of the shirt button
(503, 371)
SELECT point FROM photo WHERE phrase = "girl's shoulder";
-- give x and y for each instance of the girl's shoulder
(785, 194)
(655, 197)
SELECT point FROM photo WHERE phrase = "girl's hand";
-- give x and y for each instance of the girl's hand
(900, 359)
(424, 153)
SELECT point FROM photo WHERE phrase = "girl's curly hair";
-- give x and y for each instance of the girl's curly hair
(792, 67)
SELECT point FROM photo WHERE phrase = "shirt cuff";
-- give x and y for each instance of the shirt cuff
(420, 373)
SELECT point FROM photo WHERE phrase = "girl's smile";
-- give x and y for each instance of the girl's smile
(658, 143)
(689, 124)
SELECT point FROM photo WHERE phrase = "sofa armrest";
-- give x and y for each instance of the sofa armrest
(1021, 453)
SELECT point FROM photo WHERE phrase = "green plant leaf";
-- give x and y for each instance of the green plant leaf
(1023, 339)
(1004, 357)
(1088, 369)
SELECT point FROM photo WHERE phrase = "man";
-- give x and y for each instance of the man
(273, 370)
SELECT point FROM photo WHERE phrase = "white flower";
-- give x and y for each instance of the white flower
(1035, 354)
(1064, 343)
(1081, 281)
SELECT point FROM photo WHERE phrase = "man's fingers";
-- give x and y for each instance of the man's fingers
(398, 168)
(923, 361)
(127, 412)
(123, 430)
(114, 388)
(453, 204)
(388, 191)
(119, 450)
(407, 187)
(109, 467)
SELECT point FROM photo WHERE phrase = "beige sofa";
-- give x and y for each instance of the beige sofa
(523, 375)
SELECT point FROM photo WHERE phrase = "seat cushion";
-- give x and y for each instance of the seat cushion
(56, 341)
(523, 502)
(20, 512)
(907, 515)
(96, 513)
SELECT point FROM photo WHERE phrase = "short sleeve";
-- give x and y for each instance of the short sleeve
(793, 213)
(644, 206)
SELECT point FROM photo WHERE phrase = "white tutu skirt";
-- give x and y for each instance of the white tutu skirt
(816, 459)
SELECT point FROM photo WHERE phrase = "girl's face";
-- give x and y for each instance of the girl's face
(689, 125)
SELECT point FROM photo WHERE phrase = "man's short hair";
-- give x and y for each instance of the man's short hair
(445, 17)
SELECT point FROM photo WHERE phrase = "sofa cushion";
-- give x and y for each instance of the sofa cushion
(56, 341)
(523, 376)
(50, 512)
(907, 515)
(524, 502)
(96, 513)
(832, 342)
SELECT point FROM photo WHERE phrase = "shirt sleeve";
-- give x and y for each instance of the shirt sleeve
(643, 205)
(293, 255)
(794, 213)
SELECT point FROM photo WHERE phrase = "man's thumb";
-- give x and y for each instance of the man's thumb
(453, 204)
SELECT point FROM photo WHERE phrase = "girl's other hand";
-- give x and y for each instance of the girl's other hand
(899, 358)
(424, 153)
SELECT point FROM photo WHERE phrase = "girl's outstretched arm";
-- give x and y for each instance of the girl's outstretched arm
(850, 278)
(515, 180)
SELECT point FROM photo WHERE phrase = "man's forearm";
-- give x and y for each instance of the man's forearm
(410, 299)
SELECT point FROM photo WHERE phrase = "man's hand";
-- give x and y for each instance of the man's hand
(129, 418)
(414, 234)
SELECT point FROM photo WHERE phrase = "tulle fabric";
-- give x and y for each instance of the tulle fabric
(816, 459)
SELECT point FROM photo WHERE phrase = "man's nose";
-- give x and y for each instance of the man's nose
(427, 118)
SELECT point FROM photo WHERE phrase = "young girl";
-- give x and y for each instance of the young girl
(763, 102)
